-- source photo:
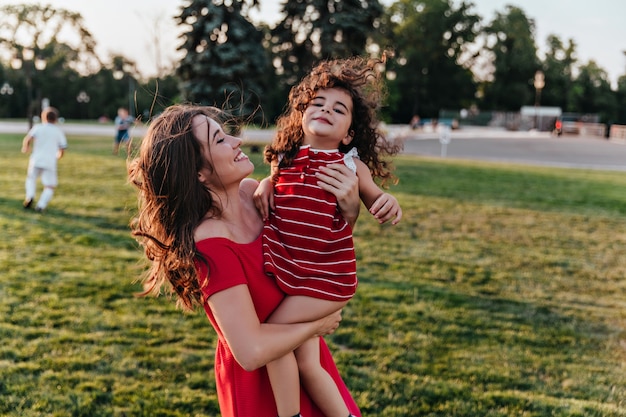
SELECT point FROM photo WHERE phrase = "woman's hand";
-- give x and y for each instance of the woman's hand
(339, 180)
(329, 324)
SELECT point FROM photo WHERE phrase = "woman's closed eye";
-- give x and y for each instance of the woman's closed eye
(219, 137)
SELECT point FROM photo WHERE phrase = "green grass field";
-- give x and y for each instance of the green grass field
(501, 293)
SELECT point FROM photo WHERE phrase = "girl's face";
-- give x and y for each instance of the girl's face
(226, 163)
(327, 119)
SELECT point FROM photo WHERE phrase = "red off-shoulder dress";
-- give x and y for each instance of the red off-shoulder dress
(242, 393)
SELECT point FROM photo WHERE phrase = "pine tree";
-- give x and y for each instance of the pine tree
(313, 30)
(226, 63)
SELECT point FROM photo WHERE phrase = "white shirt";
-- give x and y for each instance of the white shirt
(48, 139)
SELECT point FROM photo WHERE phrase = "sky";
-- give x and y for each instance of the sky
(129, 27)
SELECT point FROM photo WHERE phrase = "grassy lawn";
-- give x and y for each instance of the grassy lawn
(501, 293)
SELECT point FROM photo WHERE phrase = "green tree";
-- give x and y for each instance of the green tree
(431, 39)
(156, 94)
(225, 63)
(8, 97)
(55, 34)
(620, 96)
(558, 66)
(592, 93)
(313, 30)
(53, 37)
(512, 45)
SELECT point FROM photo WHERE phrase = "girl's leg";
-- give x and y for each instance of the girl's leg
(298, 309)
(285, 381)
(318, 383)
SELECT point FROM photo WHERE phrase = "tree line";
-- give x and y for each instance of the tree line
(441, 55)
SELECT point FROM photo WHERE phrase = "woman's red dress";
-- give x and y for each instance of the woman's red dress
(242, 393)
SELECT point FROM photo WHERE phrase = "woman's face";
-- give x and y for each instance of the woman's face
(327, 119)
(226, 163)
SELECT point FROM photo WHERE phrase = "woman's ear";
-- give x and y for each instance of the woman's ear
(201, 177)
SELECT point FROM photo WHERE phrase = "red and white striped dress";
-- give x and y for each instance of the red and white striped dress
(307, 244)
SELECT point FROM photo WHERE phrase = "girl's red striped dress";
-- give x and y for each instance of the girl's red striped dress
(307, 244)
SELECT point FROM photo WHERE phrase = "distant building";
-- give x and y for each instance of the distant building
(539, 118)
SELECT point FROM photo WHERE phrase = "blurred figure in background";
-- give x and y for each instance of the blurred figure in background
(47, 143)
(123, 122)
(415, 122)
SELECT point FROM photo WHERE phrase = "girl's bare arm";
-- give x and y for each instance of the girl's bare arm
(383, 206)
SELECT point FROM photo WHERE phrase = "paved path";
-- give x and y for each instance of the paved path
(488, 144)
(536, 148)
(524, 148)
(70, 129)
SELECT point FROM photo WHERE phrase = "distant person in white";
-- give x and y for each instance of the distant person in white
(47, 144)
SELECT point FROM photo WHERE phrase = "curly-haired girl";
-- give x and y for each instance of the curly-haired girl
(332, 118)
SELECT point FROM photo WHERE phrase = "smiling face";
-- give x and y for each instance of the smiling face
(226, 163)
(327, 119)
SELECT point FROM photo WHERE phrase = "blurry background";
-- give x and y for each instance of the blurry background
(474, 62)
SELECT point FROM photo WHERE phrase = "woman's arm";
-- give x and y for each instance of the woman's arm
(254, 344)
(339, 180)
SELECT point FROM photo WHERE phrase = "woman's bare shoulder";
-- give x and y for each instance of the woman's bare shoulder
(209, 228)
(248, 185)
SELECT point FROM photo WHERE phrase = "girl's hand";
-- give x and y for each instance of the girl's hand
(339, 180)
(263, 198)
(386, 207)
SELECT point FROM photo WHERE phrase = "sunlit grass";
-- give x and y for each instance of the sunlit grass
(501, 293)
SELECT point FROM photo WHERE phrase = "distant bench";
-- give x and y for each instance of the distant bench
(592, 129)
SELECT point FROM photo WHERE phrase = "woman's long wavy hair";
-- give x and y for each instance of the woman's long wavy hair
(360, 78)
(172, 202)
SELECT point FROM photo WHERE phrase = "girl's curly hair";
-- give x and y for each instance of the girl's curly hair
(360, 78)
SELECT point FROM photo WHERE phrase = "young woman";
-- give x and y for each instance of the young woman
(307, 243)
(201, 232)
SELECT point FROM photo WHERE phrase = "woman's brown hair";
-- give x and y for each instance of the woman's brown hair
(172, 201)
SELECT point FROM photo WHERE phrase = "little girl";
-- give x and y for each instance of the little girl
(307, 245)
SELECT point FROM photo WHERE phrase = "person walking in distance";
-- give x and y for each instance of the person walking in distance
(46, 143)
(123, 123)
